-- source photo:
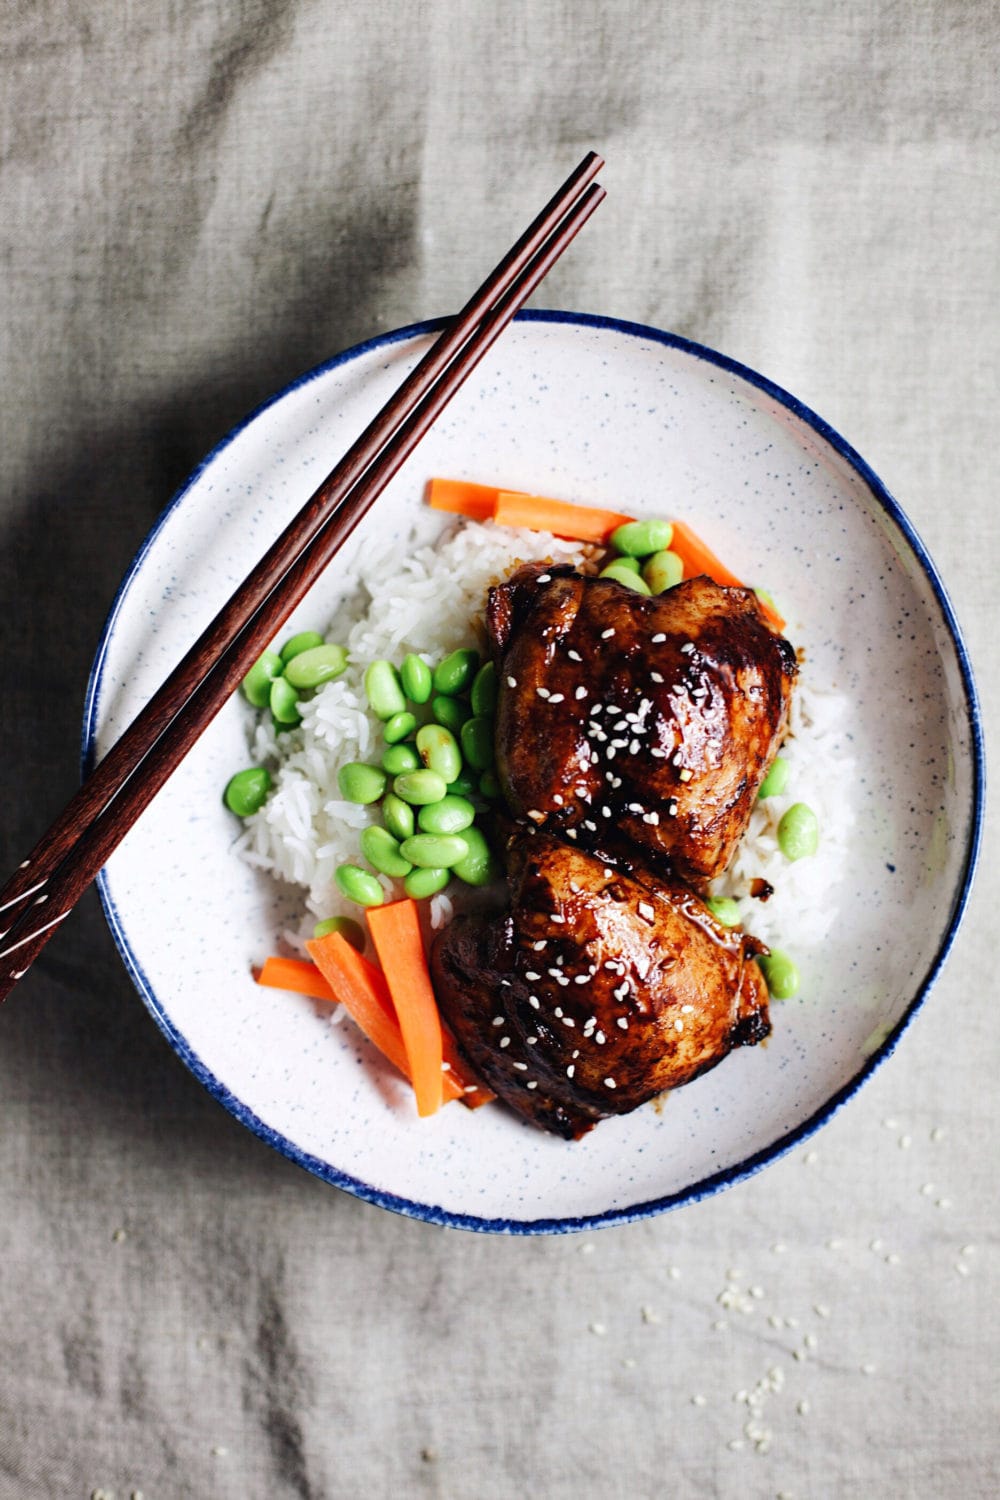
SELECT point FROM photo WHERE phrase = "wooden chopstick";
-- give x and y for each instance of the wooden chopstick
(78, 843)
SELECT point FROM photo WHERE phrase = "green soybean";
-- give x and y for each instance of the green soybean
(453, 675)
(381, 851)
(798, 831)
(480, 865)
(400, 758)
(781, 973)
(420, 787)
(463, 786)
(483, 696)
(352, 932)
(662, 571)
(360, 782)
(423, 883)
(630, 564)
(451, 712)
(358, 885)
(725, 910)
(450, 815)
(776, 780)
(384, 689)
(417, 678)
(284, 702)
(434, 851)
(304, 641)
(313, 667)
(399, 726)
(246, 792)
(626, 576)
(438, 749)
(477, 742)
(489, 786)
(642, 538)
(398, 817)
(257, 682)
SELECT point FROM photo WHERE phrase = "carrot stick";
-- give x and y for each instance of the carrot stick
(305, 978)
(360, 988)
(697, 558)
(295, 974)
(395, 930)
(473, 500)
(582, 523)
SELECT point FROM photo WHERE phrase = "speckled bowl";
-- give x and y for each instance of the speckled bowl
(606, 413)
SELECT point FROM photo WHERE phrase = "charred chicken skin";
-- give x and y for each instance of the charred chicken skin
(651, 721)
(597, 990)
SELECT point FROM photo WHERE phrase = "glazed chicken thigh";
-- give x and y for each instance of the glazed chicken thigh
(597, 990)
(651, 721)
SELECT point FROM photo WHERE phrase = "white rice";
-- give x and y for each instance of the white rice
(430, 601)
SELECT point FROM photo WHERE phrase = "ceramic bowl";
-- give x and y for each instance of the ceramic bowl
(609, 414)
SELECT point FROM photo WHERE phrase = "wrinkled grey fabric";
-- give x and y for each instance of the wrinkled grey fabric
(200, 201)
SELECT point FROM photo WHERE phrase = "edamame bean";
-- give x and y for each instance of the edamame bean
(400, 758)
(453, 675)
(398, 817)
(399, 726)
(781, 974)
(384, 689)
(462, 786)
(381, 851)
(420, 787)
(257, 682)
(489, 786)
(642, 538)
(798, 831)
(451, 712)
(776, 780)
(352, 932)
(435, 851)
(626, 576)
(313, 667)
(439, 751)
(417, 678)
(360, 782)
(450, 815)
(484, 690)
(246, 792)
(630, 564)
(420, 884)
(477, 742)
(479, 866)
(662, 571)
(358, 885)
(284, 702)
(725, 910)
(304, 641)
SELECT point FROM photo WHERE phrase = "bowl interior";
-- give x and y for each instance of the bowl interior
(605, 414)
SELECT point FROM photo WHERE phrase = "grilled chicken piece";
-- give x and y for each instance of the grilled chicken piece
(656, 717)
(597, 990)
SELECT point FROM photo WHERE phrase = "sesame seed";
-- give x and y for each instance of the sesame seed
(646, 911)
(803, 1408)
(622, 1022)
(656, 676)
(652, 818)
(672, 810)
(531, 976)
(571, 1070)
(534, 1002)
(505, 1041)
(811, 1158)
(544, 578)
(599, 1328)
(532, 1084)
(580, 694)
(541, 945)
(609, 1083)
(543, 692)
(567, 1020)
(633, 748)
(656, 639)
(607, 634)
(523, 1067)
(905, 1142)
(571, 833)
(821, 1310)
(698, 1400)
(556, 916)
(687, 647)
(685, 774)
(557, 698)
(512, 682)
(678, 1025)
(574, 655)
(531, 1041)
(600, 1038)
(582, 979)
(868, 1369)
(498, 1020)
(937, 1134)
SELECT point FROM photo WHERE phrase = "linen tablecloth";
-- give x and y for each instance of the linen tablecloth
(199, 201)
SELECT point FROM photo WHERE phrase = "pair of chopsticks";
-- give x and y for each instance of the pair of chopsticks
(47, 885)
